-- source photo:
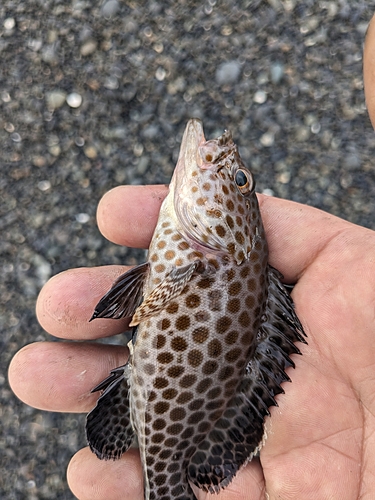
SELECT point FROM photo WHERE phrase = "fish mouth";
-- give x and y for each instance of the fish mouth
(192, 139)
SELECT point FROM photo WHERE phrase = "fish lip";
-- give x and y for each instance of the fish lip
(193, 138)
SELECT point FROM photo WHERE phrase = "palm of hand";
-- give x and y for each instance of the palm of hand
(323, 447)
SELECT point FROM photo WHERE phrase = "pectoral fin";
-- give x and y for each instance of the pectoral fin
(125, 295)
(169, 288)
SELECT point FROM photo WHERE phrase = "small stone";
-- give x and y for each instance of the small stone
(283, 177)
(110, 8)
(315, 128)
(74, 100)
(267, 139)
(55, 99)
(90, 152)
(89, 47)
(9, 23)
(111, 83)
(228, 73)
(260, 97)
(302, 134)
(82, 218)
(160, 74)
(39, 161)
(277, 72)
(43, 268)
(268, 192)
(55, 150)
(44, 185)
(49, 55)
(16, 137)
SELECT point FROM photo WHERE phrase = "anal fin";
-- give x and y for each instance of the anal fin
(108, 427)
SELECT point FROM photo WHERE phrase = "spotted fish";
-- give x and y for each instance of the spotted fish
(213, 331)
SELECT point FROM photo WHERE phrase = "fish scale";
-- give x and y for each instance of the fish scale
(215, 329)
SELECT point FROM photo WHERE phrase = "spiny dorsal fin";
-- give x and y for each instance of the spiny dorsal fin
(125, 295)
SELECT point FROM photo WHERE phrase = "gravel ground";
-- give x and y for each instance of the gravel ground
(94, 94)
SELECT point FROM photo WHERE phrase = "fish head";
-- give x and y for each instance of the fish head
(214, 195)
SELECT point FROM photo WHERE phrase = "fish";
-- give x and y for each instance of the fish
(213, 331)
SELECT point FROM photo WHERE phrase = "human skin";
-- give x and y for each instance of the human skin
(321, 439)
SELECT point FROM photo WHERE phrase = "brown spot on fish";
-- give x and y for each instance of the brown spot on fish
(160, 383)
(188, 380)
(195, 357)
(233, 306)
(184, 397)
(209, 367)
(214, 348)
(169, 393)
(192, 301)
(204, 385)
(161, 407)
(175, 371)
(182, 323)
(172, 308)
(165, 357)
(231, 337)
(220, 231)
(200, 335)
(159, 424)
(170, 254)
(235, 288)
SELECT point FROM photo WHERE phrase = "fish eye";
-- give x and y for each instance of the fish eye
(244, 181)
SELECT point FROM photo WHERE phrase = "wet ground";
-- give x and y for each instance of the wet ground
(95, 94)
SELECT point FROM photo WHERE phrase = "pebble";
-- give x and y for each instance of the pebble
(277, 72)
(55, 99)
(110, 8)
(228, 73)
(74, 100)
(260, 97)
(267, 139)
(90, 152)
(88, 48)
(82, 218)
(9, 23)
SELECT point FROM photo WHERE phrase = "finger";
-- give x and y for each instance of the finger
(92, 479)
(67, 302)
(127, 215)
(369, 70)
(57, 376)
(295, 233)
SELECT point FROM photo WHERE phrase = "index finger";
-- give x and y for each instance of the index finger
(296, 233)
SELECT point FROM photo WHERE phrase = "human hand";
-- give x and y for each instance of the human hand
(321, 439)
